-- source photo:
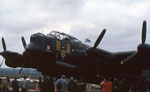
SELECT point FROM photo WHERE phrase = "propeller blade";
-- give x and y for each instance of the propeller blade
(23, 42)
(2, 63)
(129, 58)
(144, 32)
(21, 68)
(3, 43)
(99, 38)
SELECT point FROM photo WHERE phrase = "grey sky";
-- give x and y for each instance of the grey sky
(80, 18)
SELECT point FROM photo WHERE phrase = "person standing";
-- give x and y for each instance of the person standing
(82, 86)
(61, 84)
(115, 85)
(48, 84)
(8, 83)
(40, 84)
(72, 85)
(106, 85)
(51, 84)
(15, 85)
(24, 85)
(142, 85)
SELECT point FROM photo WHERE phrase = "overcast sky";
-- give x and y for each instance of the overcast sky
(80, 18)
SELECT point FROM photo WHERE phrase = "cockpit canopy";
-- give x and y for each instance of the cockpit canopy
(63, 36)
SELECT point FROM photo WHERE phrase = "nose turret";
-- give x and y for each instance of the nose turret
(38, 37)
(37, 42)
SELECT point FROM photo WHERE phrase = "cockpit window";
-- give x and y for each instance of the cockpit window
(63, 36)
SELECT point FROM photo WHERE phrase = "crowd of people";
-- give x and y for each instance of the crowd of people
(62, 84)
(138, 84)
(48, 84)
(45, 85)
(15, 85)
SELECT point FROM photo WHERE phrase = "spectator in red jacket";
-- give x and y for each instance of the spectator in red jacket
(106, 85)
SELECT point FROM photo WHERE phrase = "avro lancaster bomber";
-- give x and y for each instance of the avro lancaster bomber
(58, 53)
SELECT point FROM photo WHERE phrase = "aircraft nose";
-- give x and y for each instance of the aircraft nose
(29, 46)
(33, 38)
(35, 46)
(38, 37)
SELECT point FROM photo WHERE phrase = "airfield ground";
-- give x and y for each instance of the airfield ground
(31, 90)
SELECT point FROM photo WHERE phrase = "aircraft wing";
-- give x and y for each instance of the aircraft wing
(122, 54)
(13, 59)
(66, 65)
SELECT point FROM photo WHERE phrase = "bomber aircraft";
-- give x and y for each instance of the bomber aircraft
(58, 53)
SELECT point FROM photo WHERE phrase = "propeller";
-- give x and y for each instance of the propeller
(23, 42)
(4, 48)
(21, 68)
(97, 42)
(129, 58)
(142, 45)
(24, 45)
(1, 63)
(93, 49)
(144, 32)
(3, 43)
(99, 38)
